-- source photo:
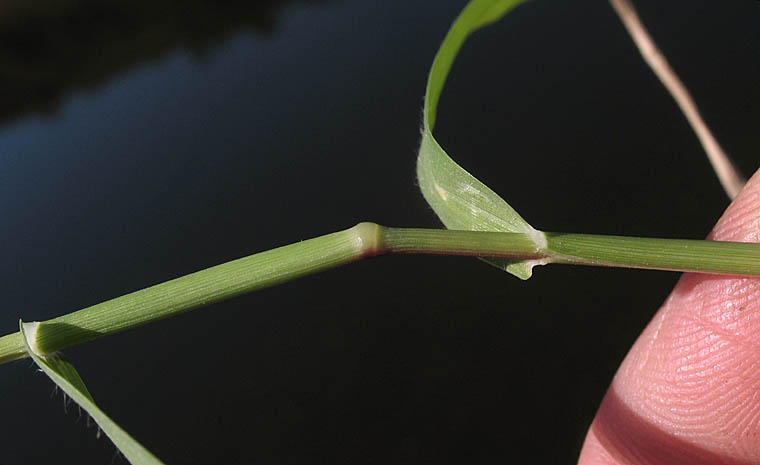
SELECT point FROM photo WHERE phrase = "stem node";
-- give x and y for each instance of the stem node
(368, 239)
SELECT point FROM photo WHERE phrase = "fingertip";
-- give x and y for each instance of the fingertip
(686, 392)
(741, 220)
(594, 453)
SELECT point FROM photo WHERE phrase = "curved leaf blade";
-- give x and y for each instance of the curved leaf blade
(459, 199)
(66, 377)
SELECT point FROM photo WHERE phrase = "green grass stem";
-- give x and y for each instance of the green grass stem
(364, 240)
(732, 258)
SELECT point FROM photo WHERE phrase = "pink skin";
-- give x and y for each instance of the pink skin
(689, 390)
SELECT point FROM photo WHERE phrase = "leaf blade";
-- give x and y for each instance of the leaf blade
(66, 377)
(459, 199)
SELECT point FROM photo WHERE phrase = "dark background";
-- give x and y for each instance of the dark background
(141, 141)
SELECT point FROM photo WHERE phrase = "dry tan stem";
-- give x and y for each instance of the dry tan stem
(727, 173)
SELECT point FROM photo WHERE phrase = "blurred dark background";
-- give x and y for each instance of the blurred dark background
(141, 141)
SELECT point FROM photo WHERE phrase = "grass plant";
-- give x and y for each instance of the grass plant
(479, 224)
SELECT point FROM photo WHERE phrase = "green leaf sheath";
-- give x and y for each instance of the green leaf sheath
(66, 377)
(195, 290)
(731, 258)
(459, 199)
(451, 242)
(714, 257)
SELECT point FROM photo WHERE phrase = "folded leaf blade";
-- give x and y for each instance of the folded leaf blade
(459, 199)
(66, 377)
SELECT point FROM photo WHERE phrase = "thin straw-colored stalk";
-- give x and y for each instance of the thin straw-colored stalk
(729, 176)
(364, 240)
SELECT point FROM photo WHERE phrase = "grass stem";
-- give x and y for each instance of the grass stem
(732, 258)
(365, 240)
